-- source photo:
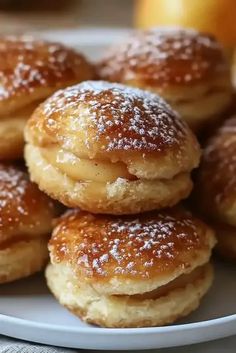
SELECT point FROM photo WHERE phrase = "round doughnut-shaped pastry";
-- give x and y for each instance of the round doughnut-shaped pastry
(142, 270)
(186, 67)
(25, 224)
(109, 148)
(30, 71)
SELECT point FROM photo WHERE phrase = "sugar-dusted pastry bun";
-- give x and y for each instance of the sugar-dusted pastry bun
(215, 191)
(30, 71)
(216, 183)
(108, 148)
(142, 270)
(186, 67)
(25, 224)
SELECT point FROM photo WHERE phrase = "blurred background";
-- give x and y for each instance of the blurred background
(64, 19)
(217, 16)
(27, 15)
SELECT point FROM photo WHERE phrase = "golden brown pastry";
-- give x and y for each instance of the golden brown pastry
(30, 71)
(25, 223)
(226, 240)
(215, 190)
(135, 271)
(186, 67)
(108, 148)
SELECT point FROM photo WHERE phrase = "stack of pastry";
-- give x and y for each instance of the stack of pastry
(30, 71)
(112, 152)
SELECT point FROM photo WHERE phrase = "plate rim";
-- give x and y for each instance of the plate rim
(96, 338)
(141, 330)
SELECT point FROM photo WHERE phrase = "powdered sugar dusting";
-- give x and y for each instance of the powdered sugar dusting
(20, 204)
(26, 64)
(219, 166)
(115, 116)
(162, 56)
(128, 246)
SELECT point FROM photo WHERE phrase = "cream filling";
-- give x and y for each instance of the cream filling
(179, 282)
(205, 107)
(197, 94)
(198, 102)
(140, 195)
(82, 169)
(114, 311)
(97, 172)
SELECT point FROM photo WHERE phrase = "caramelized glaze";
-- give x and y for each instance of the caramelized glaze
(27, 65)
(164, 56)
(130, 247)
(23, 208)
(102, 119)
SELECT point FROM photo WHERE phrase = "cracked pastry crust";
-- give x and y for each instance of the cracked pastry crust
(30, 71)
(134, 271)
(186, 67)
(25, 223)
(111, 148)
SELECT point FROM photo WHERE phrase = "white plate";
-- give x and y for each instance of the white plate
(29, 312)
